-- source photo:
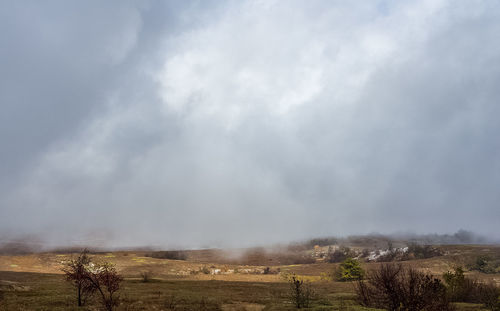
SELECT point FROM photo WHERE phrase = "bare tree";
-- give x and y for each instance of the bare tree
(105, 279)
(89, 278)
(76, 271)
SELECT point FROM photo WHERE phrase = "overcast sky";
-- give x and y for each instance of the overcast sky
(230, 123)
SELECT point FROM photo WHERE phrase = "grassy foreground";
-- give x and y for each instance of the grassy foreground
(50, 292)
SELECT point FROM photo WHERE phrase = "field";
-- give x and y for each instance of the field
(208, 280)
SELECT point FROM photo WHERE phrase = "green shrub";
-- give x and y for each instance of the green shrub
(349, 270)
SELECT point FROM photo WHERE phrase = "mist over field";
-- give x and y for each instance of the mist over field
(234, 123)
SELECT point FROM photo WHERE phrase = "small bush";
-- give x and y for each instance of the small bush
(300, 292)
(349, 270)
(146, 276)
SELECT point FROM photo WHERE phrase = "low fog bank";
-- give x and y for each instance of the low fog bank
(33, 244)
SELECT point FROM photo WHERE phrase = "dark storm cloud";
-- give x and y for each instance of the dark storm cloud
(244, 122)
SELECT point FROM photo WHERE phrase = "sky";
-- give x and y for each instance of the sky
(236, 123)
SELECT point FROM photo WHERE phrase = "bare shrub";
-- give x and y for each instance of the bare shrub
(393, 287)
(300, 293)
(76, 271)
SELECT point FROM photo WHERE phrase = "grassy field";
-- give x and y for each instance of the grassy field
(50, 292)
(35, 282)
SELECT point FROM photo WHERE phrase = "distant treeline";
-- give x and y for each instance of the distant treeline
(460, 237)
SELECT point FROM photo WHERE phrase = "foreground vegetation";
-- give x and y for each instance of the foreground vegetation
(51, 292)
(342, 278)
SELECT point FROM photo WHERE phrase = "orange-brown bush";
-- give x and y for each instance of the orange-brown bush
(106, 281)
(90, 278)
(76, 271)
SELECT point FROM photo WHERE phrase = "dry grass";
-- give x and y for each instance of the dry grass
(36, 282)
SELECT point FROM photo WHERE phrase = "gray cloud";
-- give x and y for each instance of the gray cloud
(247, 122)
